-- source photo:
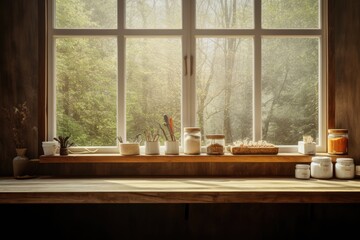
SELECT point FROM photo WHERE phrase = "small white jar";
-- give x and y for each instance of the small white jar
(321, 167)
(302, 171)
(345, 168)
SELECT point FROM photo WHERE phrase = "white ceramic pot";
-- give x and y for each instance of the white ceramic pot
(49, 147)
(172, 148)
(129, 149)
(152, 148)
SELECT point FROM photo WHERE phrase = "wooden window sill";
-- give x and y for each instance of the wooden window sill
(203, 158)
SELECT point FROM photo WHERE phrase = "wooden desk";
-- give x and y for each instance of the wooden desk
(177, 190)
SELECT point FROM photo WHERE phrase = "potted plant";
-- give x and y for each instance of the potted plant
(64, 144)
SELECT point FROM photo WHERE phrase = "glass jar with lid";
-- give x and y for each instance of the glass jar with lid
(338, 141)
(215, 144)
(302, 171)
(344, 168)
(192, 140)
(321, 167)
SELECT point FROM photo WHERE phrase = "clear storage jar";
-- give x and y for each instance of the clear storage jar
(215, 144)
(302, 171)
(338, 141)
(321, 167)
(345, 168)
(192, 140)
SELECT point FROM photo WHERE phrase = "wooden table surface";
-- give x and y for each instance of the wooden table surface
(178, 190)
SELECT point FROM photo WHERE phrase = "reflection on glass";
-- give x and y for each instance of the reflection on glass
(290, 85)
(86, 14)
(224, 86)
(86, 90)
(291, 14)
(150, 14)
(225, 14)
(153, 84)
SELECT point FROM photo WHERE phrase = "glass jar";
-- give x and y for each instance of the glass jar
(192, 140)
(357, 171)
(215, 144)
(345, 168)
(338, 141)
(302, 171)
(321, 167)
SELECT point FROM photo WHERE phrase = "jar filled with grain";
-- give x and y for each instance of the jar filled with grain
(215, 144)
(338, 141)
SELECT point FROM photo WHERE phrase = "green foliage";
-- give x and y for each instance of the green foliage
(64, 141)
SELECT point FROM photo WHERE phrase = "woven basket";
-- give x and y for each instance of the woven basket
(254, 150)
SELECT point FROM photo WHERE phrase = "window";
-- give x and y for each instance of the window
(250, 69)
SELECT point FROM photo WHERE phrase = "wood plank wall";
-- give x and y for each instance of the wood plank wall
(346, 39)
(19, 76)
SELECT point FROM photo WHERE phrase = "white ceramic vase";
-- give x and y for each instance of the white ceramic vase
(20, 163)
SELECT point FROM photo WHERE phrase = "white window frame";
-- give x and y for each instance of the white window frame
(188, 34)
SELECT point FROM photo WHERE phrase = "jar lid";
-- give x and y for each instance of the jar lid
(321, 159)
(337, 131)
(302, 166)
(192, 129)
(344, 160)
(215, 136)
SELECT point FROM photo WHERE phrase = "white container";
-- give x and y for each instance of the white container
(127, 149)
(152, 148)
(345, 168)
(49, 147)
(302, 171)
(357, 171)
(171, 148)
(306, 148)
(192, 141)
(321, 167)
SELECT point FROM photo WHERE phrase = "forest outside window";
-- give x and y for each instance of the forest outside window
(250, 69)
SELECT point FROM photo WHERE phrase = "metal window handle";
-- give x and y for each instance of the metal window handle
(191, 65)
(186, 67)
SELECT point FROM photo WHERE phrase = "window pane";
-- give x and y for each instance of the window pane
(225, 14)
(88, 14)
(224, 78)
(293, 14)
(150, 14)
(86, 83)
(290, 82)
(153, 84)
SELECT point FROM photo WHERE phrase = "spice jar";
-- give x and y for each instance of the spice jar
(192, 140)
(215, 144)
(302, 171)
(321, 167)
(345, 168)
(338, 141)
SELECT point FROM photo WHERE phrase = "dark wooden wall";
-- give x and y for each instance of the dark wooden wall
(20, 76)
(346, 37)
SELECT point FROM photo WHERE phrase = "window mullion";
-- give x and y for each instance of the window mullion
(188, 90)
(121, 102)
(257, 73)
